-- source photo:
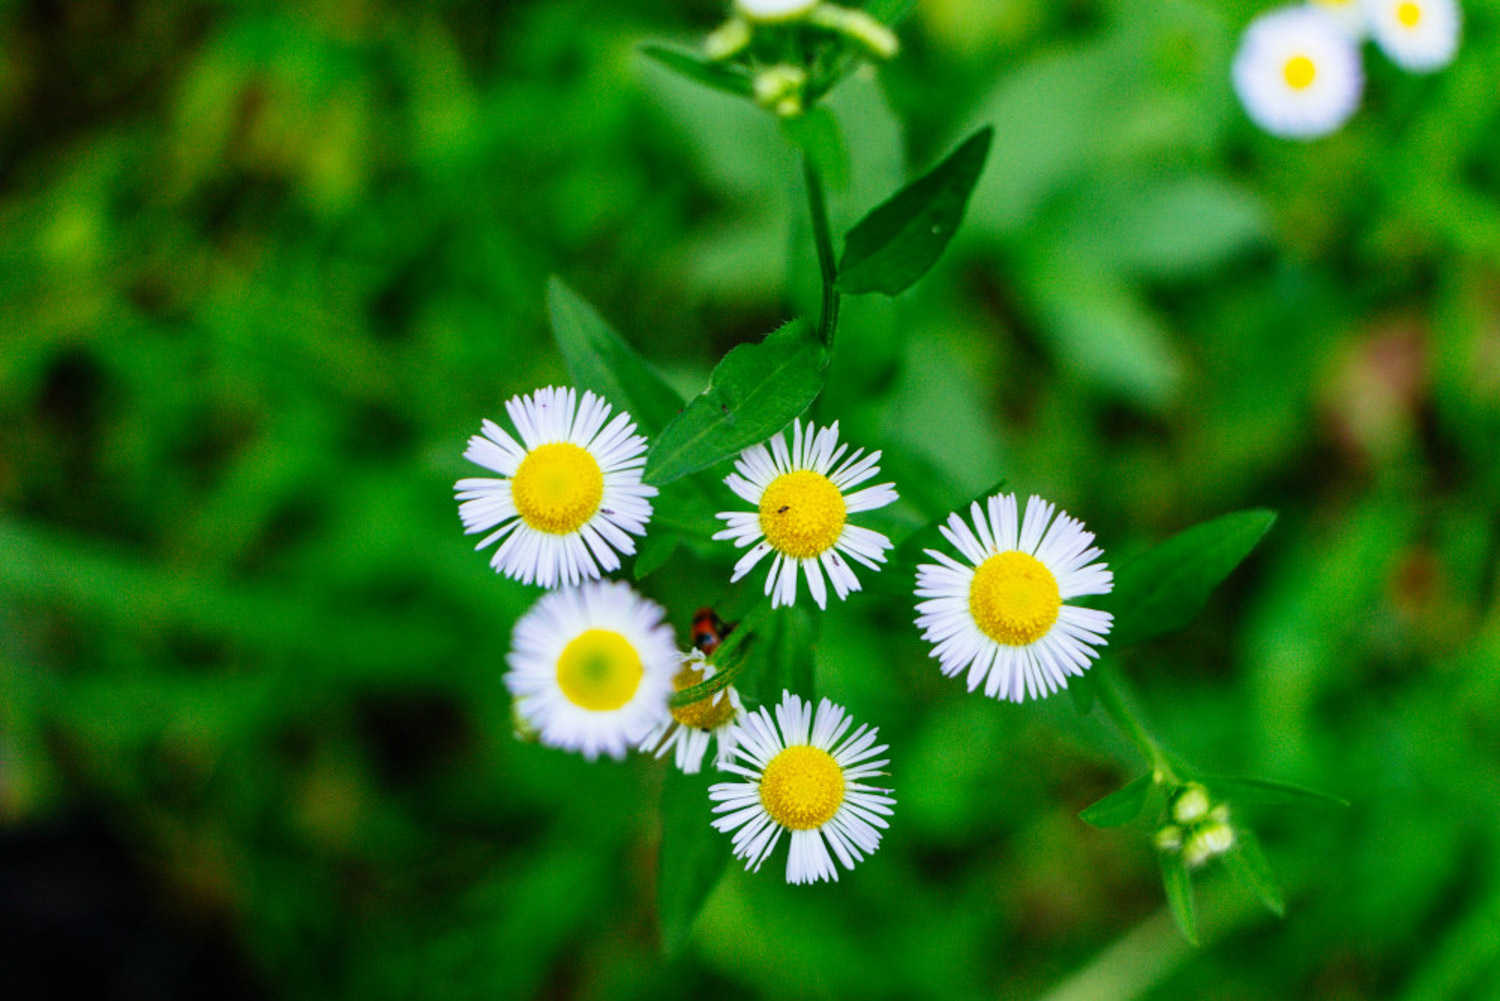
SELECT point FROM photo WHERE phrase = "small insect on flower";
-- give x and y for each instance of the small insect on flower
(1418, 35)
(571, 494)
(803, 776)
(1298, 73)
(1002, 612)
(687, 731)
(708, 631)
(803, 513)
(591, 668)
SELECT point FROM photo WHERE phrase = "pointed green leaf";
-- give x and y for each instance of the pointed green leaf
(599, 359)
(700, 70)
(900, 240)
(1179, 887)
(654, 551)
(1161, 590)
(1247, 864)
(1238, 789)
(753, 393)
(1121, 806)
(693, 856)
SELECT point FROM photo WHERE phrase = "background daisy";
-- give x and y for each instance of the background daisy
(687, 730)
(1350, 14)
(591, 668)
(1418, 35)
(571, 493)
(1001, 613)
(1298, 72)
(806, 777)
(803, 512)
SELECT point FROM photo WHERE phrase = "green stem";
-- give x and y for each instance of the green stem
(1112, 697)
(828, 316)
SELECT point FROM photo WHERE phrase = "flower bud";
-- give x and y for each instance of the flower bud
(875, 37)
(1169, 838)
(730, 39)
(780, 89)
(773, 10)
(1210, 841)
(1191, 805)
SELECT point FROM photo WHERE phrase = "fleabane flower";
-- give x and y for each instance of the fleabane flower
(1000, 612)
(1350, 15)
(591, 668)
(686, 732)
(1418, 35)
(1298, 73)
(804, 776)
(802, 512)
(570, 495)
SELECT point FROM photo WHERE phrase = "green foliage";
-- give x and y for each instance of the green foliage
(1121, 806)
(1248, 865)
(901, 239)
(692, 857)
(753, 393)
(694, 67)
(1179, 887)
(1162, 589)
(1268, 793)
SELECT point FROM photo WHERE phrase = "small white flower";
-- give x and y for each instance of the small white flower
(1418, 35)
(688, 729)
(1349, 14)
(571, 490)
(591, 668)
(1001, 613)
(773, 10)
(805, 777)
(1298, 73)
(802, 513)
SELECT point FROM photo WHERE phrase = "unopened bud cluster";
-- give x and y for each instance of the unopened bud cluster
(1199, 828)
(783, 45)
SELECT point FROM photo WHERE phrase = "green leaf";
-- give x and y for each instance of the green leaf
(1161, 590)
(654, 551)
(1179, 887)
(1121, 806)
(1267, 793)
(901, 239)
(700, 70)
(753, 393)
(693, 856)
(892, 12)
(818, 135)
(1248, 865)
(599, 359)
(783, 659)
(1081, 692)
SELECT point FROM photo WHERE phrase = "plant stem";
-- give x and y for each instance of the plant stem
(1112, 697)
(828, 316)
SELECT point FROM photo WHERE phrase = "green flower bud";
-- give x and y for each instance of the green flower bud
(780, 89)
(873, 36)
(1169, 838)
(1191, 805)
(730, 39)
(1210, 841)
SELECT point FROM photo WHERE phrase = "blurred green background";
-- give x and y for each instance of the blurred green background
(266, 265)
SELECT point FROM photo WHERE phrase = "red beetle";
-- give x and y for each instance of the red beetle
(708, 631)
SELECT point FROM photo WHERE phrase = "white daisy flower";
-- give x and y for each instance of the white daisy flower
(805, 777)
(1349, 14)
(1418, 35)
(688, 729)
(591, 668)
(1001, 612)
(803, 513)
(773, 10)
(571, 490)
(1298, 73)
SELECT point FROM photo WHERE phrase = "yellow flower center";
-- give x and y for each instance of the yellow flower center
(1014, 598)
(802, 788)
(1409, 14)
(705, 714)
(599, 670)
(558, 488)
(802, 513)
(1299, 72)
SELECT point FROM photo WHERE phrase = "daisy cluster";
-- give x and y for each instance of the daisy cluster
(594, 666)
(1298, 70)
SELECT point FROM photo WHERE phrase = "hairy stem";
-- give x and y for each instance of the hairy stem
(828, 316)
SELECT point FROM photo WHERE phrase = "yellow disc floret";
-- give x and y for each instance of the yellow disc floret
(802, 788)
(1300, 72)
(1409, 14)
(802, 514)
(1014, 598)
(599, 670)
(558, 488)
(705, 714)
